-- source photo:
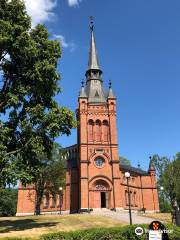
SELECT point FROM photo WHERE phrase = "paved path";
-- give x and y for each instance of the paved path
(122, 216)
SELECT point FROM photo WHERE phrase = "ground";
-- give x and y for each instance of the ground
(34, 226)
(166, 217)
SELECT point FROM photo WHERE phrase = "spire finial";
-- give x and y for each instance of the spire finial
(91, 23)
(82, 82)
(110, 84)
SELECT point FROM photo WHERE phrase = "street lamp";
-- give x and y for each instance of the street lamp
(162, 194)
(127, 175)
(60, 198)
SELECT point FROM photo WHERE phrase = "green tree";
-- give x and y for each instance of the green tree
(30, 118)
(168, 176)
(124, 161)
(8, 202)
(49, 176)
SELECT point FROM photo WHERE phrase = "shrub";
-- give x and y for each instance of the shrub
(8, 202)
(122, 233)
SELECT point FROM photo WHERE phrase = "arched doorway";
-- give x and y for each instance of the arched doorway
(100, 194)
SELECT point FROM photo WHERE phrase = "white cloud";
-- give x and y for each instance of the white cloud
(72, 3)
(71, 45)
(40, 10)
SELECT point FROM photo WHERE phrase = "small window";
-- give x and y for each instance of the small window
(99, 161)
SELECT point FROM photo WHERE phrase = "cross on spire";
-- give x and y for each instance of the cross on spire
(91, 23)
(82, 83)
(110, 84)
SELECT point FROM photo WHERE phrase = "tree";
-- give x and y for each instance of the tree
(49, 176)
(124, 161)
(30, 118)
(8, 202)
(168, 176)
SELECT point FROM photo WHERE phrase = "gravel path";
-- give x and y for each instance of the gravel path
(122, 216)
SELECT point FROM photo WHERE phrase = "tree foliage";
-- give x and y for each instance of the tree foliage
(30, 118)
(124, 161)
(49, 176)
(8, 202)
(168, 176)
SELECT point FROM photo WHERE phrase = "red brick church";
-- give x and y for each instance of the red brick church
(95, 178)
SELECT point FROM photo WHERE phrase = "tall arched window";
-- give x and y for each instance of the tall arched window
(134, 198)
(90, 130)
(126, 198)
(46, 200)
(105, 131)
(98, 131)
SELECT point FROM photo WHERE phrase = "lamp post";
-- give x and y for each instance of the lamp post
(60, 199)
(127, 175)
(162, 194)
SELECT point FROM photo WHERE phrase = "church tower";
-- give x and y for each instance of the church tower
(99, 175)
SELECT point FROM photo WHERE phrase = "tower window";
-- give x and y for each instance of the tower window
(90, 130)
(98, 131)
(105, 130)
(99, 161)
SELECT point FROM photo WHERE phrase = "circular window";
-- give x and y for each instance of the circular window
(99, 161)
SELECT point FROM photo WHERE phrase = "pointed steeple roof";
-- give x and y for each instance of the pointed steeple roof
(82, 92)
(151, 165)
(110, 94)
(94, 83)
(93, 62)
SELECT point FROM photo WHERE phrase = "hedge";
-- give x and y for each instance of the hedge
(122, 233)
(117, 233)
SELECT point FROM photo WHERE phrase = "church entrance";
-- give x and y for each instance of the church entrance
(100, 194)
(103, 199)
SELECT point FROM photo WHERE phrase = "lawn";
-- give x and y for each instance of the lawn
(166, 217)
(34, 226)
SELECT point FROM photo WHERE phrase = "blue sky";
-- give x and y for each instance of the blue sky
(138, 45)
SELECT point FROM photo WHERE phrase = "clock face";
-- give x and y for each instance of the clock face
(99, 161)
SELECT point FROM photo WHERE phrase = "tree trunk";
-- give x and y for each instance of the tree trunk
(39, 195)
(38, 209)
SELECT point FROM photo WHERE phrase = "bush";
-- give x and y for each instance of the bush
(123, 233)
(8, 202)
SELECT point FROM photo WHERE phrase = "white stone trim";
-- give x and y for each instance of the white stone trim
(43, 213)
(24, 214)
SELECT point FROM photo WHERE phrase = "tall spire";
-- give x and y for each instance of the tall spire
(93, 59)
(94, 86)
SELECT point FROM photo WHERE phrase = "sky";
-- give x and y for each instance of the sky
(138, 44)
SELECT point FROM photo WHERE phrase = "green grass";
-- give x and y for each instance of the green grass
(34, 226)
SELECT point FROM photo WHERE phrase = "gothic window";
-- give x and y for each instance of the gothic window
(126, 198)
(131, 198)
(105, 131)
(46, 200)
(53, 201)
(90, 130)
(134, 199)
(98, 131)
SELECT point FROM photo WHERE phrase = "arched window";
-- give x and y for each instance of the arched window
(131, 198)
(53, 201)
(98, 131)
(46, 200)
(134, 198)
(90, 130)
(105, 131)
(126, 198)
